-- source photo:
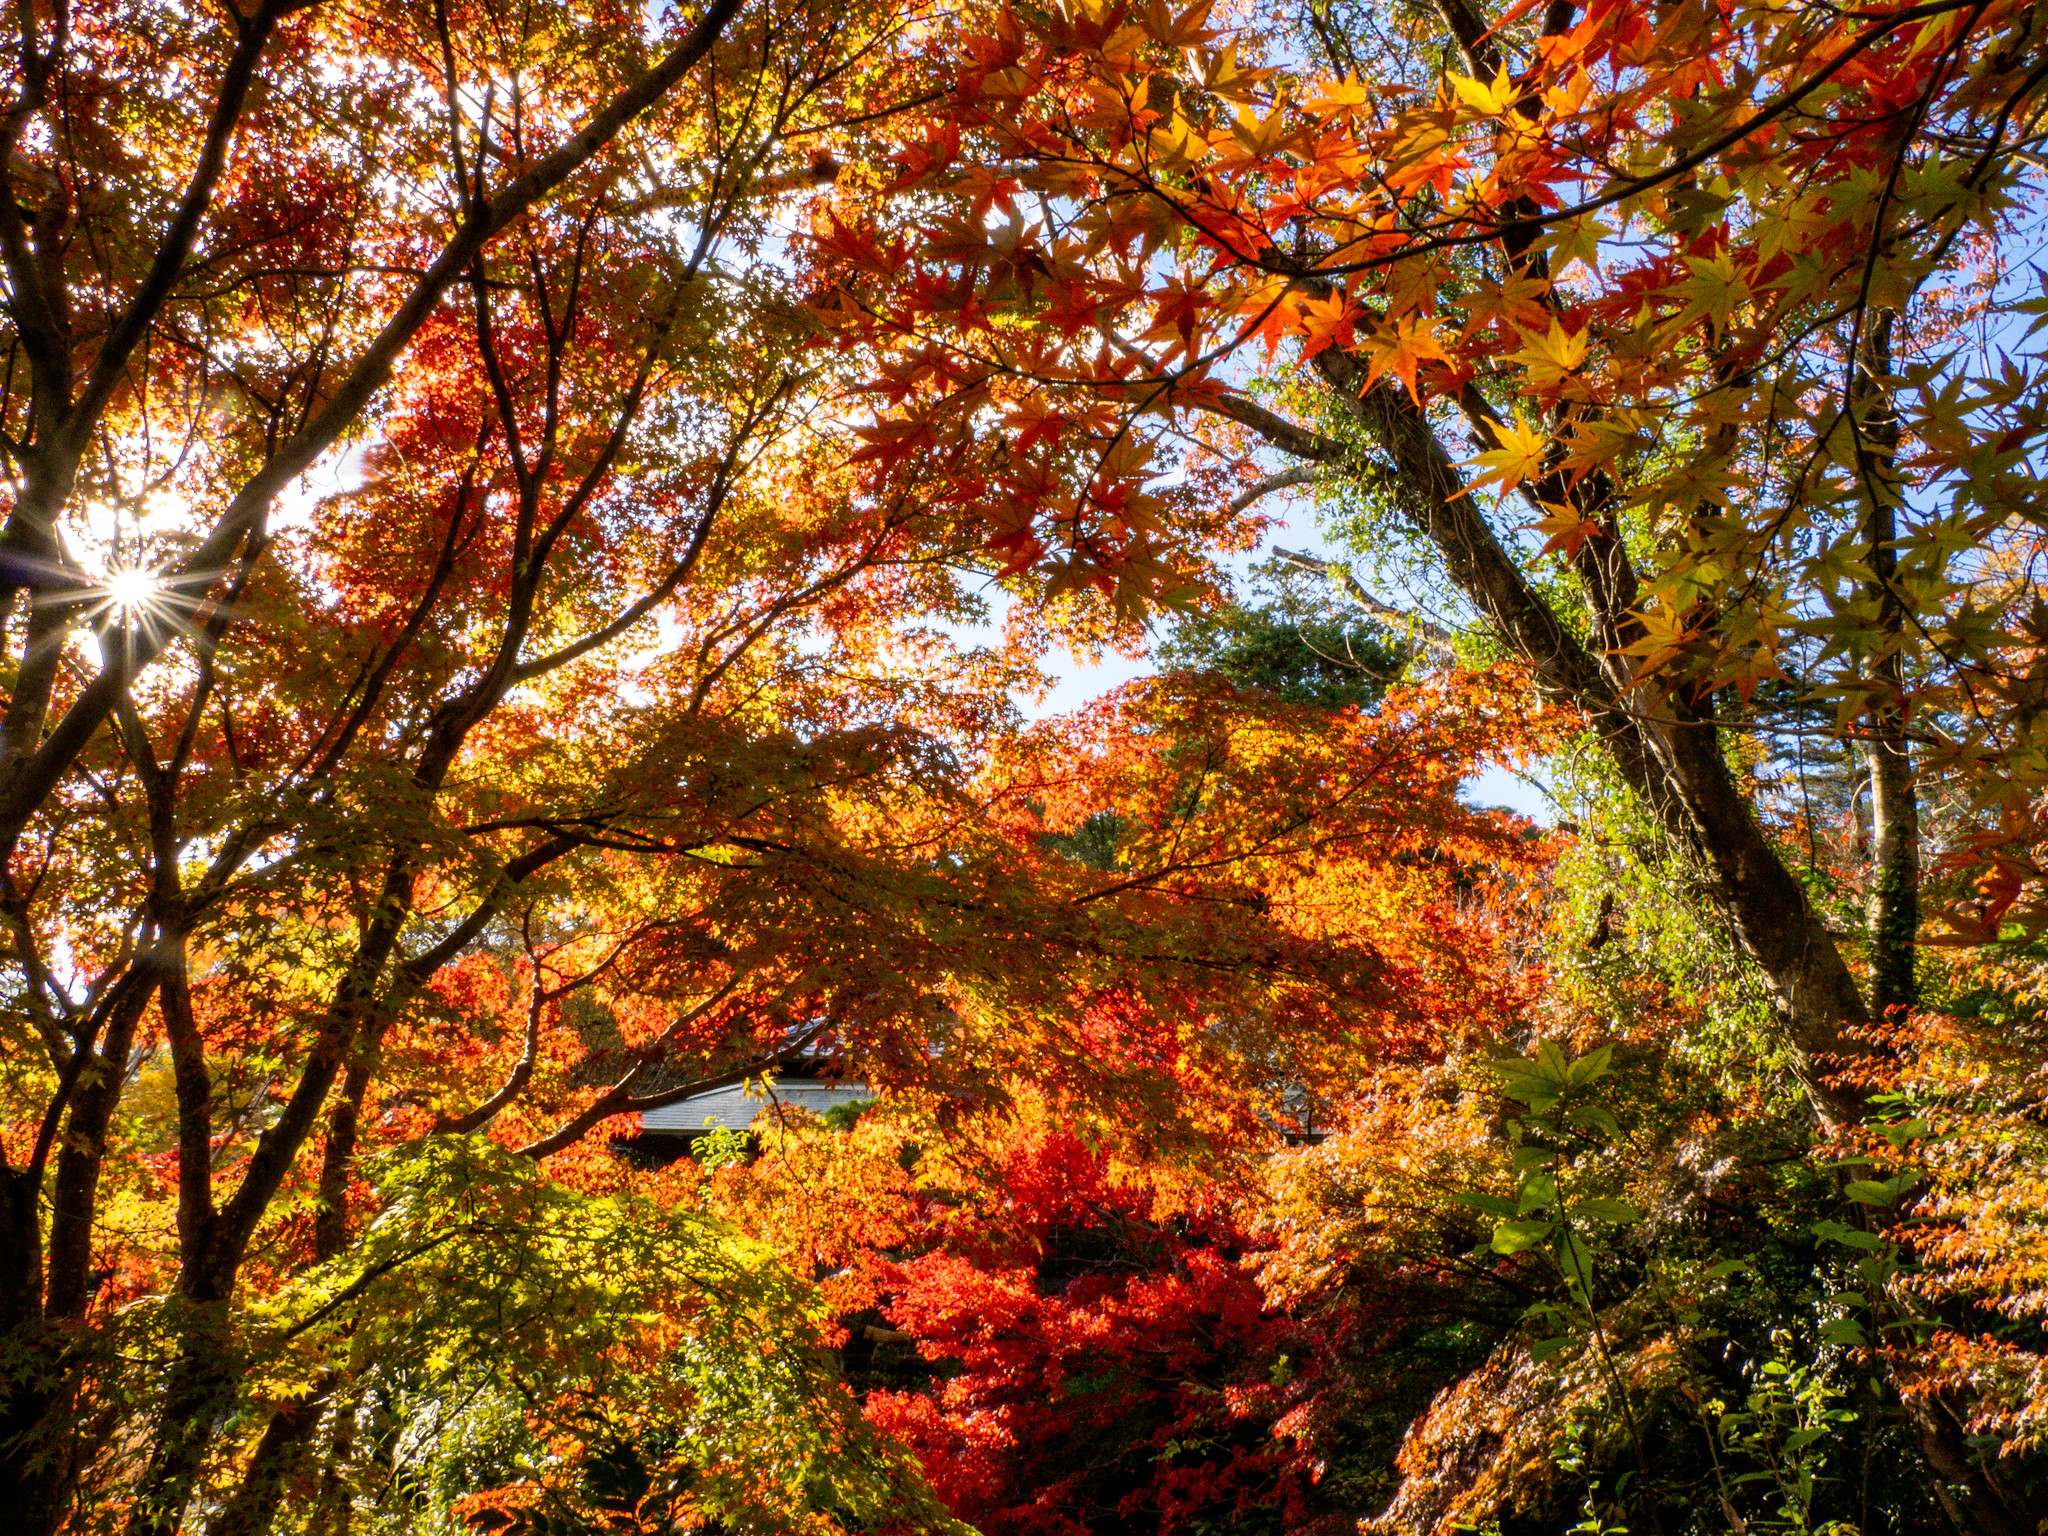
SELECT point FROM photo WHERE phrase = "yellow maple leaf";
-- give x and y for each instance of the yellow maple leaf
(1338, 100)
(1520, 455)
(1261, 137)
(1553, 355)
(1221, 73)
(1665, 636)
(1487, 100)
(1174, 142)
(1188, 29)
(1579, 241)
(1716, 290)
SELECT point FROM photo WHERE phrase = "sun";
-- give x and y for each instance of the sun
(132, 590)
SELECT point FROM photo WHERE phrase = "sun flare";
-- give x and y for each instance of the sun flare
(131, 590)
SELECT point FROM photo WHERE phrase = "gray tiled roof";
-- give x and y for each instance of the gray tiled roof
(736, 1108)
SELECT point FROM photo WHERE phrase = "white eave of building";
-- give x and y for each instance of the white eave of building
(738, 1107)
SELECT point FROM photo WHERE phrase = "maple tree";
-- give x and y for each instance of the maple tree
(1059, 1313)
(1428, 245)
(468, 692)
(1108, 1363)
(492, 500)
(1722, 298)
(238, 874)
(465, 693)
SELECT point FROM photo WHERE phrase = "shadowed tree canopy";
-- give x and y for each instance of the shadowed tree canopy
(1300, 650)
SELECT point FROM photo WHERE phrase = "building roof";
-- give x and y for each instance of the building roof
(737, 1107)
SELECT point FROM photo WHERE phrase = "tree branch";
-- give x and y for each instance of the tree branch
(1302, 442)
(1286, 479)
(1435, 639)
(38, 774)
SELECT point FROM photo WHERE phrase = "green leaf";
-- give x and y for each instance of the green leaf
(1578, 240)
(1518, 1236)
(1881, 1192)
(1849, 1237)
(1539, 1189)
(1575, 1258)
(1845, 1331)
(1526, 1080)
(1876, 1268)
(1594, 1117)
(1497, 1206)
(1591, 1067)
(1617, 1212)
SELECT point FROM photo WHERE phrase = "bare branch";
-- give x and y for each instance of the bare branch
(1286, 479)
(1435, 639)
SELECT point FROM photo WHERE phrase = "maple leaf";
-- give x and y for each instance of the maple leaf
(1565, 529)
(1717, 290)
(1521, 455)
(1337, 101)
(1577, 241)
(1188, 28)
(1515, 305)
(1175, 143)
(1399, 347)
(1553, 356)
(1261, 137)
(1325, 322)
(1218, 71)
(1488, 99)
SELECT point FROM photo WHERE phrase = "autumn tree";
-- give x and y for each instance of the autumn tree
(487, 493)
(237, 700)
(466, 689)
(1645, 322)
(1442, 232)
(1061, 1313)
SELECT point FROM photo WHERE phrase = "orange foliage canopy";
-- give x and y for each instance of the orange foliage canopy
(492, 504)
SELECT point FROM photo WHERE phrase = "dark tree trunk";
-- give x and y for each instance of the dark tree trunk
(1892, 905)
(34, 1494)
(254, 1504)
(1672, 762)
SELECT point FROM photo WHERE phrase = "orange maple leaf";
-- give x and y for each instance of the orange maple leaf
(1400, 348)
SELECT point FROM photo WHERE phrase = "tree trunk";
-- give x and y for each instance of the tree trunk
(1674, 764)
(45, 1302)
(282, 1449)
(35, 1494)
(1671, 761)
(254, 1504)
(1892, 904)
